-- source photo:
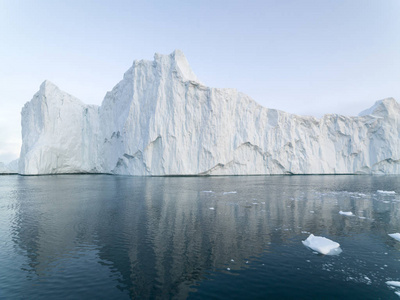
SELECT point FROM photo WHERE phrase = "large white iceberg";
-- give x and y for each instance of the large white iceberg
(322, 245)
(161, 120)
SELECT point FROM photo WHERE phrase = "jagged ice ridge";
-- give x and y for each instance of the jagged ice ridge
(161, 120)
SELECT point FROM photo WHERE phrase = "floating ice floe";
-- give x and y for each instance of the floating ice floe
(396, 236)
(386, 192)
(207, 191)
(346, 213)
(212, 208)
(233, 192)
(393, 283)
(322, 245)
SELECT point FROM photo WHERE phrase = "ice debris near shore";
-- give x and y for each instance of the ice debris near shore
(322, 245)
(346, 213)
(396, 236)
(161, 120)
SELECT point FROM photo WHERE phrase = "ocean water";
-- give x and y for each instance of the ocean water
(121, 237)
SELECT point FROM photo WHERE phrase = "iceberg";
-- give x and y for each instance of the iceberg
(160, 119)
(322, 245)
(346, 213)
(396, 236)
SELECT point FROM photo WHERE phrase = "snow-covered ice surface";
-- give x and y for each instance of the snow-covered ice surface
(346, 213)
(161, 120)
(396, 236)
(322, 245)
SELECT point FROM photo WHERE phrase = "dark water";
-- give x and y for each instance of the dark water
(111, 237)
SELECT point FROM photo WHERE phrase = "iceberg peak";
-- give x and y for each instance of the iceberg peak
(177, 62)
(47, 86)
(382, 108)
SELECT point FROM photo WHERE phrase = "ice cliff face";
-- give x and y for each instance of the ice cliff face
(161, 120)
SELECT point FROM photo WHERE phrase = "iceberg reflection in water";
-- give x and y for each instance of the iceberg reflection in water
(99, 236)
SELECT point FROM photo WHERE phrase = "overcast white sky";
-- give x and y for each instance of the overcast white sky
(302, 56)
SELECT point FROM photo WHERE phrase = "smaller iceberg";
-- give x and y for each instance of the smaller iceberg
(322, 245)
(396, 236)
(346, 213)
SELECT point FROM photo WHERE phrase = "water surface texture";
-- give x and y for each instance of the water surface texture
(117, 237)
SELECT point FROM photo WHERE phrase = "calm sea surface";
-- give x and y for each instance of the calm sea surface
(116, 237)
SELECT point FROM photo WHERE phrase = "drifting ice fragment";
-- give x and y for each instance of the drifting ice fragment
(212, 208)
(322, 245)
(233, 192)
(207, 191)
(396, 236)
(386, 192)
(393, 283)
(346, 213)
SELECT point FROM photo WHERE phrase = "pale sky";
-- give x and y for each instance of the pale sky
(308, 57)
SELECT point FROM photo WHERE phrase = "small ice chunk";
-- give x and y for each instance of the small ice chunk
(322, 245)
(397, 293)
(232, 259)
(212, 208)
(362, 218)
(386, 192)
(207, 191)
(228, 269)
(233, 192)
(346, 213)
(396, 236)
(311, 211)
(393, 283)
